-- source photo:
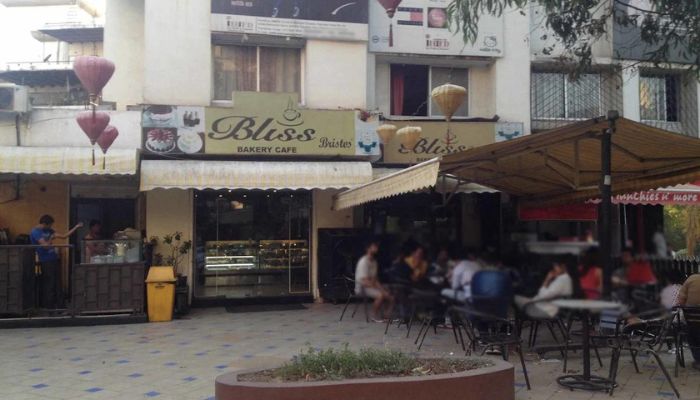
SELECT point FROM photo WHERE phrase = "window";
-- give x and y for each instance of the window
(554, 96)
(251, 68)
(658, 98)
(411, 86)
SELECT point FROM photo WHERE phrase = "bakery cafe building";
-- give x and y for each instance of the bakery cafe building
(251, 185)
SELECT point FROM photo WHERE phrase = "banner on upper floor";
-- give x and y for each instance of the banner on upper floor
(312, 19)
(421, 27)
(259, 124)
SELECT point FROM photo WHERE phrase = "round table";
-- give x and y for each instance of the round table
(586, 381)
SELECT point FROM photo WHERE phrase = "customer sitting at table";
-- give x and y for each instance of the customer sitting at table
(689, 295)
(461, 278)
(638, 271)
(591, 276)
(367, 284)
(410, 266)
(557, 284)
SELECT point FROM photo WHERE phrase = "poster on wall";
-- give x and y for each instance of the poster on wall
(313, 19)
(173, 129)
(421, 27)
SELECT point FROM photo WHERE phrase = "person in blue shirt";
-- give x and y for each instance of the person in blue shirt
(49, 260)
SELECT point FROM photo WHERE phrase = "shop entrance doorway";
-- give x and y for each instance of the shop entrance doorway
(252, 244)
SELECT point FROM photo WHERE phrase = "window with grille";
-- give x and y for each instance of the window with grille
(555, 96)
(658, 98)
(255, 68)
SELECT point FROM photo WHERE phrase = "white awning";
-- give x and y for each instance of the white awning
(189, 174)
(444, 184)
(417, 177)
(66, 160)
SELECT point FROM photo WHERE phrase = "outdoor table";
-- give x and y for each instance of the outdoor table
(586, 381)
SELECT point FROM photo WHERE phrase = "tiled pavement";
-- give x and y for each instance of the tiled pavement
(180, 359)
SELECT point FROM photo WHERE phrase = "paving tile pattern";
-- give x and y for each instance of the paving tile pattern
(180, 359)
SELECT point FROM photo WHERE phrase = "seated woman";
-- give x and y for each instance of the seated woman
(591, 276)
(410, 266)
(558, 283)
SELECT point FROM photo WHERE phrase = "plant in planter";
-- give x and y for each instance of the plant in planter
(175, 250)
(371, 373)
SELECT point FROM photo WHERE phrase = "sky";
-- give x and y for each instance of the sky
(17, 23)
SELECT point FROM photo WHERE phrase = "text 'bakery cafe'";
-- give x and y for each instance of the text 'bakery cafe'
(252, 185)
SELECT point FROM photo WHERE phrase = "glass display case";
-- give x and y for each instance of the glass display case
(121, 251)
(230, 256)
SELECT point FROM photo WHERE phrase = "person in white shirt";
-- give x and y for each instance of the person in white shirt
(557, 284)
(367, 283)
(461, 278)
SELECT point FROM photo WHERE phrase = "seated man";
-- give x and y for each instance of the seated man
(367, 284)
(689, 295)
(557, 284)
(461, 278)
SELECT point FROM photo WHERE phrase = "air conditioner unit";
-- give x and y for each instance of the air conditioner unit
(13, 98)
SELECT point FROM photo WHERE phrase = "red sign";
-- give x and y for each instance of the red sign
(663, 197)
(571, 212)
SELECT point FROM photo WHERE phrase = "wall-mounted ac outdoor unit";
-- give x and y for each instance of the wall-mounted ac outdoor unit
(13, 98)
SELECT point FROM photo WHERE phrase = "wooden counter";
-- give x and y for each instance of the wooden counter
(108, 288)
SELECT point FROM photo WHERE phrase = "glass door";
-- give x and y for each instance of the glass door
(252, 243)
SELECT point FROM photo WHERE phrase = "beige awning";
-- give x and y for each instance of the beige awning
(190, 174)
(417, 177)
(66, 161)
(563, 165)
(444, 184)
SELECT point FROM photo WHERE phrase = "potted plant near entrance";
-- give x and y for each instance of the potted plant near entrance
(174, 252)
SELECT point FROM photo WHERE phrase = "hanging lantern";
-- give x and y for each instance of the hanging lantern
(93, 72)
(409, 136)
(93, 123)
(390, 6)
(449, 98)
(386, 132)
(108, 136)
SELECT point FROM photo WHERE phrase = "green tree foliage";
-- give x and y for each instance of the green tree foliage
(680, 227)
(666, 26)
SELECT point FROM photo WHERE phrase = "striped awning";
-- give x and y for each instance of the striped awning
(66, 161)
(411, 179)
(192, 174)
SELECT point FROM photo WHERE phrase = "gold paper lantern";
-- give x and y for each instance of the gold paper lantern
(409, 136)
(386, 132)
(449, 97)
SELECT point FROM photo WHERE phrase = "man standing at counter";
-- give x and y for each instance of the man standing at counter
(49, 260)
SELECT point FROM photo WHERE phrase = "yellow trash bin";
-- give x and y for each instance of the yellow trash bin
(160, 289)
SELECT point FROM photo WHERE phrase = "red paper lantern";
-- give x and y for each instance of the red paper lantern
(93, 123)
(390, 6)
(108, 136)
(93, 72)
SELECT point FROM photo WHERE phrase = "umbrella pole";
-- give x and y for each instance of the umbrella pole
(604, 235)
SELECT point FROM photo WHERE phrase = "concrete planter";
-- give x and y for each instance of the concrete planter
(494, 382)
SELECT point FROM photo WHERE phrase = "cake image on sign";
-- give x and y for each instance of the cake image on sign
(189, 141)
(159, 115)
(160, 140)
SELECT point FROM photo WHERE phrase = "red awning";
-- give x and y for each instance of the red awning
(571, 212)
(686, 195)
